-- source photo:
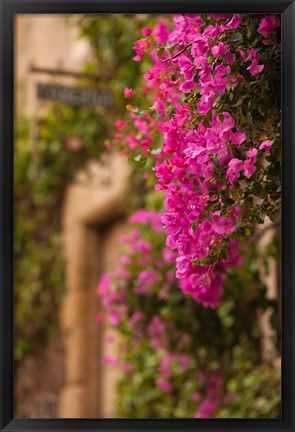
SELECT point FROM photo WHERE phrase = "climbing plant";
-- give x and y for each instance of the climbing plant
(43, 170)
(205, 131)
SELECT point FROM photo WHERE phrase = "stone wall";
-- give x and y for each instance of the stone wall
(91, 231)
(47, 41)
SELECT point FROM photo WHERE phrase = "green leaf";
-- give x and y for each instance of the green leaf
(236, 37)
(139, 160)
(247, 231)
(215, 160)
(160, 52)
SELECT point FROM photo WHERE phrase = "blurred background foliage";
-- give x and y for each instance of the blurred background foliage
(45, 164)
(227, 340)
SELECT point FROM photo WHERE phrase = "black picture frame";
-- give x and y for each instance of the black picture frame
(8, 8)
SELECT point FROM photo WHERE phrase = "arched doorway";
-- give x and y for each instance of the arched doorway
(91, 232)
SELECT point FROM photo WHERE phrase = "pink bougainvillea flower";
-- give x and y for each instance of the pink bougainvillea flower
(235, 21)
(168, 255)
(128, 93)
(196, 152)
(164, 366)
(104, 284)
(187, 86)
(120, 124)
(196, 396)
(235, 166)
(161, 32)
(249, 164)
(134, 235)
(146, 31)
(255, 68)
(135, 319)
(127, 367)
(114, 318)
(125, 259)
(141, 47)
(219, 50)
(122, 272)
(224, 225)
(148, 276)
(238, 138)
(252, 154)
(164, 385)
(266, 145)
(152, 218)
(186, 67)
(99, 318)
(206, 102)
(268, 24)
(207, 409)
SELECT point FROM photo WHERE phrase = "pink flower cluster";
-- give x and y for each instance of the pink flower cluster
(196, 165)
(268, 25)
(181, 360)
(161, 333)
(213, 398)
(149, 277)
(150, 270)
(191, 188)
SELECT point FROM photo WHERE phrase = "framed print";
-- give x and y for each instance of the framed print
(147, 216)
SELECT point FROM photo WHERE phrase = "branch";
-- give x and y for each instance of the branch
(177, 54)
(260, 233)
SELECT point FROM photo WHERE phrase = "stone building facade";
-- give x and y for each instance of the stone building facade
(76, 383)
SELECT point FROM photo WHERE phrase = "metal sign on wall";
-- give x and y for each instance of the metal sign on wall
(75, 96)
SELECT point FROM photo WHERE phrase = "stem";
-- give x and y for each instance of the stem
(177, 54)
